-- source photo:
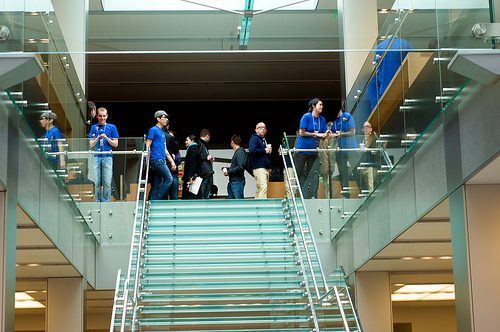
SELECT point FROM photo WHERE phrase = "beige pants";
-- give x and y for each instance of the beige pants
(288, 190)
(261, 176)
(370, 173)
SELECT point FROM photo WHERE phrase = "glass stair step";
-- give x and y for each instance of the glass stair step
(206, 274)
(236, 285)
(224, 223)
(206, 267)
(221, 240)
(227, 277)
(222, 296)
(209, 203)
(227, 233)
(224, 321)
(208, 309)
(214, 209)
(193, 255)
(193, 301)
(208, 247)
(211, 329)
(149, 262)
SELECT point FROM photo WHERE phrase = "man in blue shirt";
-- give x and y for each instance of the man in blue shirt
(158, 155)
(395, 50)
(52, 140)
(103, 137)
(345, 130)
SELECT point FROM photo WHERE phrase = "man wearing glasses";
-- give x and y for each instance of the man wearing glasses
(103, 137)
(259, 152)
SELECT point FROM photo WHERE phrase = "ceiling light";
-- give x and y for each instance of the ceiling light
(439, 297)
(407, 297)
(424, 288)
(22, 296)
(29, 305)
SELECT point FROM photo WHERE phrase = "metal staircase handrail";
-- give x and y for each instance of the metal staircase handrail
(138, 232)
(309, 296)
(316, 288)
(116, 299)
(356, 318)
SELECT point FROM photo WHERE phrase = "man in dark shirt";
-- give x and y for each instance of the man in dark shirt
(236, 171)
(206, 168)
(259, 151)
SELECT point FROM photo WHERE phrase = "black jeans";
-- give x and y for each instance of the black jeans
(307, 167)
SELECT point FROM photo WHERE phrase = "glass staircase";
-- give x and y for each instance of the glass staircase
(226, 265)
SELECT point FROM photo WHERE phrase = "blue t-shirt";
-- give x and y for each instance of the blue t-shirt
(157, 148)
(310, 124)
(344, 124)
(51, 137)
(391, 62)
(102, 144)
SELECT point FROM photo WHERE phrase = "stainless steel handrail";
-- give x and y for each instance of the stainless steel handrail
(342, 313)
(309, 262)
(115, 302)
(90, 152)
(138, 232)
(309, 296)
(358, 323)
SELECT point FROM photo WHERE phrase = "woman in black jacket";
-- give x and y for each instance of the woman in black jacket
(192, 163)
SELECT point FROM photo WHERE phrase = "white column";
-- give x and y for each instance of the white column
(373, 301)
(359, 32)
(65, 305)
(72, 18)
(475, 224)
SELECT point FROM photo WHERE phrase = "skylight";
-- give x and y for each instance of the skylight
(433, 4)
(203, 5)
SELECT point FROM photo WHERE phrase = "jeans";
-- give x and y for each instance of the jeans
(173, 191)
(103, 172)
(162, 179)
(206, 188)
(235, 189)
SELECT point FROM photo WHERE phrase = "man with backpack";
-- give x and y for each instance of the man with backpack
(236, 171)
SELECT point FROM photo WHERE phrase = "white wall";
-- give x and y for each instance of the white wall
(427, 319)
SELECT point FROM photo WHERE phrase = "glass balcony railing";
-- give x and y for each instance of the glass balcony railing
(59, 87)
(403, 88)
(43, 195)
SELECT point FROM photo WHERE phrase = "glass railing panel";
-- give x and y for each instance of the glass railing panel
(44, 197)
(455, 21)
(15, 37)
(336, 172)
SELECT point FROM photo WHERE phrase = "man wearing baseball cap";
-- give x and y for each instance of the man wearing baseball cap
(158, 155)
(53, 139)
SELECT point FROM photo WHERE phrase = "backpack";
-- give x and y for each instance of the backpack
(247, 165)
